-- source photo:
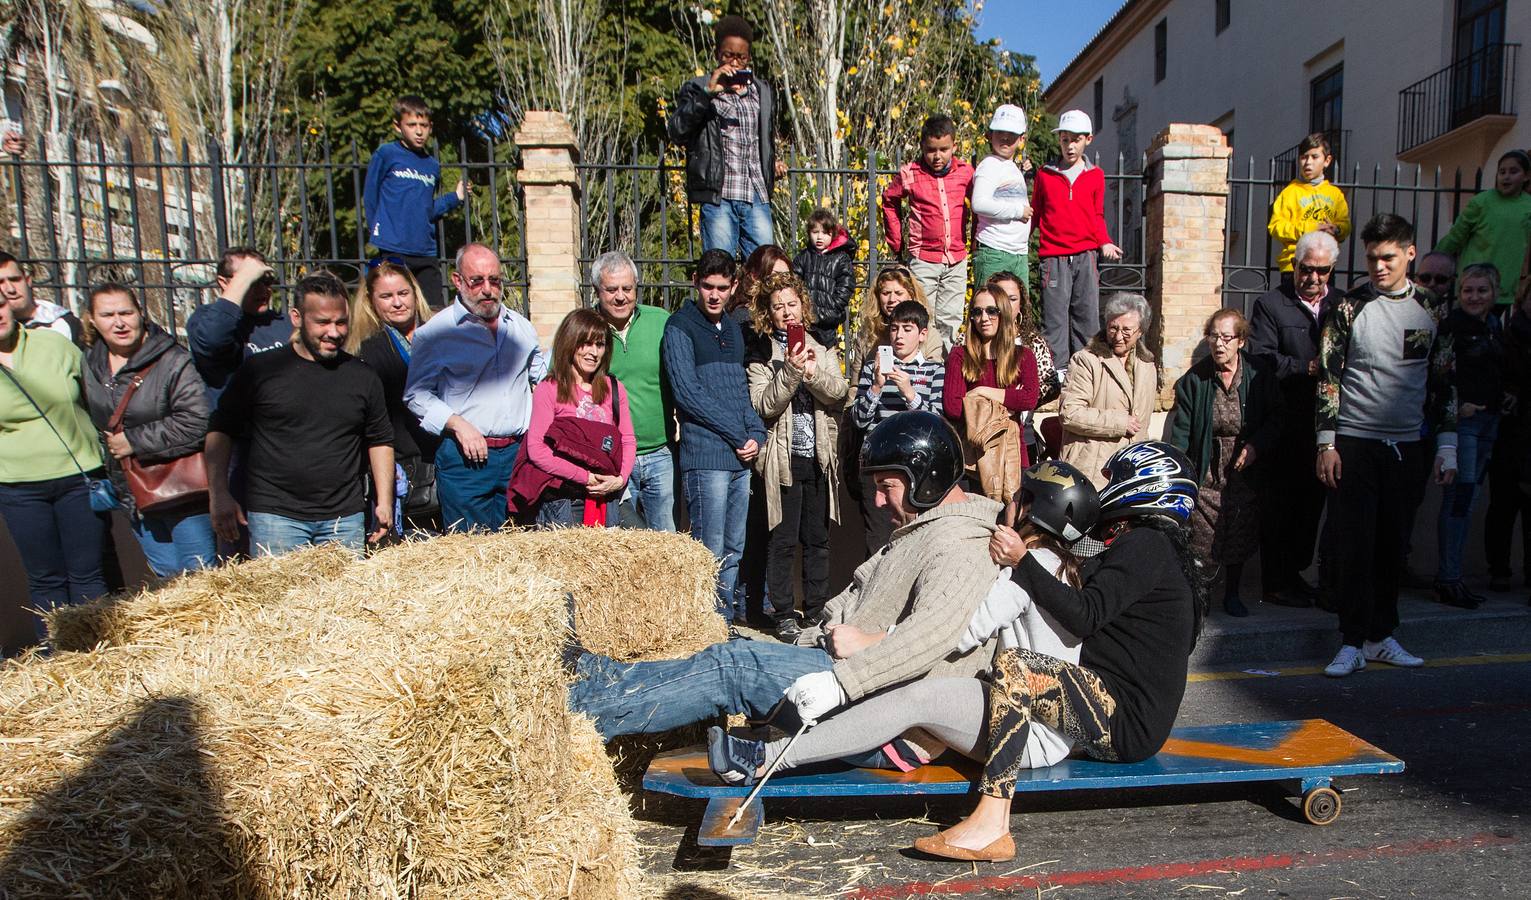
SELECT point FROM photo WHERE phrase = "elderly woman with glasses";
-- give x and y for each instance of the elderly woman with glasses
(1226, 418)
(1108, 395)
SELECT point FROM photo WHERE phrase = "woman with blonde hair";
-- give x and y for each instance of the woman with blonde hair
(385, 312)
(891, 287)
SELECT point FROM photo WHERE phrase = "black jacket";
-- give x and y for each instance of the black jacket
(831, 278)
(1284, 336)
(1480, 363)
(167, 417)
(410, 441)
(694, 123)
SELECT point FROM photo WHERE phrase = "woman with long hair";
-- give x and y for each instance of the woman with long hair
(891, 287)
(165, 419)
(989, 365)
(385, 312)
(1140, 611)
(765, 261)
(579, 447)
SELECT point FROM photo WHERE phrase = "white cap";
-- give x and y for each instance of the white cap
(1075, 120)
(1009, 117)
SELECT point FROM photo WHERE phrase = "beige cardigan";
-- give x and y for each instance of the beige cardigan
(772, 385)
(1097, 400)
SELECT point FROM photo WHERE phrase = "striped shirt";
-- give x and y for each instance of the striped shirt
(927, 376)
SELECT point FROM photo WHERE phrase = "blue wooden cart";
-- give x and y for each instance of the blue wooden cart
(1309, 753)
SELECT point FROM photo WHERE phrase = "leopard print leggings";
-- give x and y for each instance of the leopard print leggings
(1031, 687)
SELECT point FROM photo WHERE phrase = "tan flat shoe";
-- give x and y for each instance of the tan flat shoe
(1000, 849)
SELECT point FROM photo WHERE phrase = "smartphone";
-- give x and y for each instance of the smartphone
(796, 337)
(741, 77)
(884, 359)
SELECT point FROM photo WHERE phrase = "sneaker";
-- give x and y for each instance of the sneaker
(1348, 660)
(1388, 651)
(734, 760)
(788, 630)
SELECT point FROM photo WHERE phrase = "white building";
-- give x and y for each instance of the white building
(1428, 82)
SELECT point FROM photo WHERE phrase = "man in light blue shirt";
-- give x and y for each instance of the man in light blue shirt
(471, 372)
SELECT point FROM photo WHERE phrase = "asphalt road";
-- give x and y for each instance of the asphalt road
(1448, 827)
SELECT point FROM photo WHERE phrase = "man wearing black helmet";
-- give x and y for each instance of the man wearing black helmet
(900, 619)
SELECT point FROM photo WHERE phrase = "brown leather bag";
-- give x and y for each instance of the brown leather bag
(159, 486)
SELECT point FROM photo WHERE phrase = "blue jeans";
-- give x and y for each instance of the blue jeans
(1475, 444)
(649, 500)
(473, 495)
(60, 539)
(176, 543)
(736, 226)
(272, 535)
(718, 502)
(650, 697)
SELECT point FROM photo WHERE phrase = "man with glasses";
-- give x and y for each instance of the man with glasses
(1284, 333)
(471, 372)
(1437, 270)
(726, 121)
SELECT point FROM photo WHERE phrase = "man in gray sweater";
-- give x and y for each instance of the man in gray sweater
(1380, 364)
(901, 618)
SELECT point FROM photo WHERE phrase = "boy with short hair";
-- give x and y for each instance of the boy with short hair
(400, 197)
(914, 382)
(1309, 203)
(1069, 200)
(937, 185)
(1003, 234)
(825, 266)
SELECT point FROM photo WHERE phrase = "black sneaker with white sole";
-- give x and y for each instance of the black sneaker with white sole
(734, 760)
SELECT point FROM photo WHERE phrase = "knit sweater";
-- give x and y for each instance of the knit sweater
(705, 365)
(636, 363)
(1493, 229)
(1070, 216)
(1302, 207)
(929, 582)
(50, 369)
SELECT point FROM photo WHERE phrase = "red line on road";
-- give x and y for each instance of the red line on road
(1178, 870)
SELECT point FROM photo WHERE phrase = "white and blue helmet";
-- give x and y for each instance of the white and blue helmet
(1148, 479)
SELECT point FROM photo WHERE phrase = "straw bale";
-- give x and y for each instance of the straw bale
(323, 727)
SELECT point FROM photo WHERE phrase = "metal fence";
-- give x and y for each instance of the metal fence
(1430, 200)
(158, 216)
(637, 202)
(1481, 83)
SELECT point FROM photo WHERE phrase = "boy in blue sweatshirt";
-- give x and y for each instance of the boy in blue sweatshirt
(400, 197)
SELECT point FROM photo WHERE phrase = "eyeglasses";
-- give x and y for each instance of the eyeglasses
(1214, 339)
(1122, 330)
(1314, 270)
(981, 311)
(478, 281)
(734, 56)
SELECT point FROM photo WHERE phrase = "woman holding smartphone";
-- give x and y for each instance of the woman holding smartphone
(796, 386)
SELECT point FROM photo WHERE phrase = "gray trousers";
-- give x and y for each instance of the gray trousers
(953, 710)
(1070, 303)
(946, 289)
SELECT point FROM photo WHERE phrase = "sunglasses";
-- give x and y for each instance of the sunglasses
(478, 281)
(1430, 278)
(980, 311)
(1314, 270)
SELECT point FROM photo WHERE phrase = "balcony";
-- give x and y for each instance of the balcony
(1471, 100)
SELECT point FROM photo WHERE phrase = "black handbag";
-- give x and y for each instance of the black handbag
(422, 501)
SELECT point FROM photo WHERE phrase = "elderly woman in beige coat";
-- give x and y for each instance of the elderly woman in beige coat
(799, 393)
(1108, 395)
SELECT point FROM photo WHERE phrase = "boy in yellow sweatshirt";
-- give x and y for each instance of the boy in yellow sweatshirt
(1310, 202)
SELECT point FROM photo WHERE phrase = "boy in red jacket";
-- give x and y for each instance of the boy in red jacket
(937, 185)
(1069, 200)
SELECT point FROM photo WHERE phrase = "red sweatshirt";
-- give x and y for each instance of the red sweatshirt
(1071, 218)
(938, 213)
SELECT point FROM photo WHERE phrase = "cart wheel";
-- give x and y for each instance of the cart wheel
(1321, 806)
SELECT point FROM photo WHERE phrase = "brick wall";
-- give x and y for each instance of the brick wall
(549, 186)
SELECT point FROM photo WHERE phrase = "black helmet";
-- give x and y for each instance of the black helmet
(1060, 500)
(920, 445)
(1147, 479)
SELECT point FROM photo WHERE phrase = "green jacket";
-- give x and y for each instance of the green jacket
(51, 369)
(1191, 420)
(1492, 229)
(636, 363)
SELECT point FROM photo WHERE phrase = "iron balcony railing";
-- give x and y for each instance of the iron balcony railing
(1479, 84)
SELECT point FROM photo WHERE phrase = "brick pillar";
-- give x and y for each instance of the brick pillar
(1187, 211)
(550, 187)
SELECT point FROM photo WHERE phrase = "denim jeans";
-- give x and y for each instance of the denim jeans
(473, 495)
(718, 502)
(272, 535)
(1475, 444)
(60, 539)
(649, 499)
(736, 226)
(176, 543)
(649, 697)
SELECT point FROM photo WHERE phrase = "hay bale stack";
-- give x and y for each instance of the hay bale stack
(394, 726)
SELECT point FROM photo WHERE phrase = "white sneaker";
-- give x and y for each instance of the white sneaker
(1348, 660)
(1388, 651)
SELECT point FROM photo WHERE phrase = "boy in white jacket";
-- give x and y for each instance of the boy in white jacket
(1000, 201)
